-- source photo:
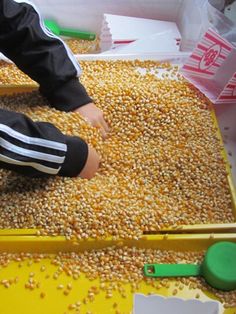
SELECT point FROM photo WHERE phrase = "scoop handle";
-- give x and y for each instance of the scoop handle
(172, 270)
(77, 33)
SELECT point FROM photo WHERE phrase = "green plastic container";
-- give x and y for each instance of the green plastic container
(75, 33)
(218, 267)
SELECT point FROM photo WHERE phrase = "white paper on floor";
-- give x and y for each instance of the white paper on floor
(157, 304)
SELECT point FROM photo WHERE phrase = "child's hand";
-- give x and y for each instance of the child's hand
(91, 165)
(94, 116)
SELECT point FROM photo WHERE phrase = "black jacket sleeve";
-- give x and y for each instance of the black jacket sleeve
(45, 58)
(38, 148)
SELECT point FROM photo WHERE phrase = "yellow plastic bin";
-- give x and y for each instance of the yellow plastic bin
(177, 59)
(18, 299)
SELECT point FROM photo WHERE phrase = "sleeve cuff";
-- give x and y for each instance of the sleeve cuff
(76, 157)
(68, 96)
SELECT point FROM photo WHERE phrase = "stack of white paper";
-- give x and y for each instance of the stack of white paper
(160, 42)
(119, 30)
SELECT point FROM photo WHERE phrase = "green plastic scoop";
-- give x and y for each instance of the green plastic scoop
(57, 30)
(218, 267)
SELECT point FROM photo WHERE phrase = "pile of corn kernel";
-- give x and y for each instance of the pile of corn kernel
(114, 266)
(161, 164)
(80, 46)
(10, 75)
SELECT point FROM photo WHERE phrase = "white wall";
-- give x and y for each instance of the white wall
(88, 14)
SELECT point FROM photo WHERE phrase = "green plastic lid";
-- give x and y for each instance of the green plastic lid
(219, 266)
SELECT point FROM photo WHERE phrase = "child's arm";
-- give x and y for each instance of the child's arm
(44, 57)
(46, 60)
(38, 148)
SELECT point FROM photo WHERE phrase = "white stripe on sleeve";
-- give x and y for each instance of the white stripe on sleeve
(30, 153)
(32, 140)
(50, 34)
(31, 164)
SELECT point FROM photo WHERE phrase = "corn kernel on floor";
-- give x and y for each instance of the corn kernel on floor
(94, 282)
(56, 302)
(161, 164)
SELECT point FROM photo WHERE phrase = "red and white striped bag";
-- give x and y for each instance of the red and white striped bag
(212, 68)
